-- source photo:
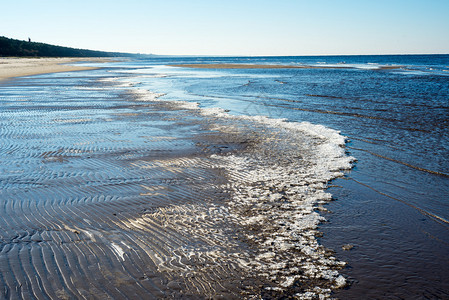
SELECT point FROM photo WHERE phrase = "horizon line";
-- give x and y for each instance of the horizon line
(275, 55)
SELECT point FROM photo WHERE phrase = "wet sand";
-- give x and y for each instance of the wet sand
(85, 213)
(17, 67)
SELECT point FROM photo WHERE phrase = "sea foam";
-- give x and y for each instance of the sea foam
(276, 185)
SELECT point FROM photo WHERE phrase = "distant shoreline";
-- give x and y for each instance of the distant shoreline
(255, 66)
(17, 67)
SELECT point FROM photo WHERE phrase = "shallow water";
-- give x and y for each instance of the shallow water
(116, 173)
(109, 191)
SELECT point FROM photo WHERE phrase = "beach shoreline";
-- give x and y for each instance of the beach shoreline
(11, 67)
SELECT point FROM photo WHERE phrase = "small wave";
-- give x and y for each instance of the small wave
(421, 71)
(323, 96)
(144, 95)
(116, 82)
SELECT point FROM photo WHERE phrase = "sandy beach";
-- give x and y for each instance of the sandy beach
(17, 67)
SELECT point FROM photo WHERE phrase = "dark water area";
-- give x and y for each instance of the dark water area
(397, 252)
(393, 207)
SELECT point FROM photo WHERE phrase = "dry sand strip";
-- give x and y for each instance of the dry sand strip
(254, 66)
(17, 67)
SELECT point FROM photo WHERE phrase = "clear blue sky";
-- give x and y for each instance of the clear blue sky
(234, 27)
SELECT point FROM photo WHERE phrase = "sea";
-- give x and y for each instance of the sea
(345, 157)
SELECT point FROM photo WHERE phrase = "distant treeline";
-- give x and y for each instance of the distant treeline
(12, 47)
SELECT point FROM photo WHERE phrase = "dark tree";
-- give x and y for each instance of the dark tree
(12, 47)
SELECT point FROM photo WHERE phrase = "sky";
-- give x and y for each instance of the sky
(233, 27)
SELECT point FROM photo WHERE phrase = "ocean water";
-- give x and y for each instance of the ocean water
(175, 181)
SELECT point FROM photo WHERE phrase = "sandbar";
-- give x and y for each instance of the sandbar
(18, 67)
(254, 66)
